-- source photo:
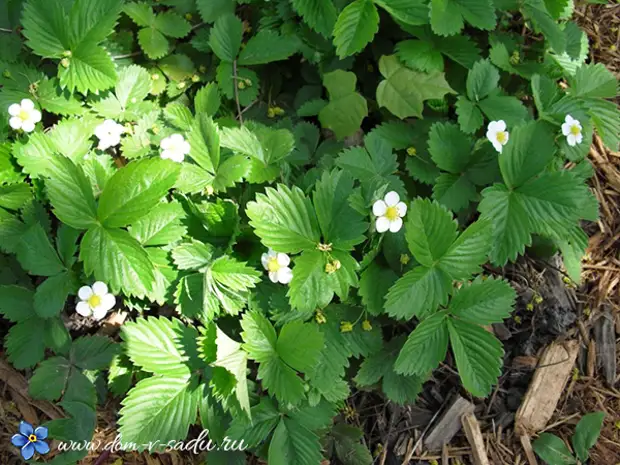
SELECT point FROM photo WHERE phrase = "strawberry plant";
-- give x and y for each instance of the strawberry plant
(289, 200)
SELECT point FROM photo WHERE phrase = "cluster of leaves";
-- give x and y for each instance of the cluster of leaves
(300, 115)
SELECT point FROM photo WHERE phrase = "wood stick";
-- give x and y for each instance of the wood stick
(529, 452)
(449, 424)
(474, 436)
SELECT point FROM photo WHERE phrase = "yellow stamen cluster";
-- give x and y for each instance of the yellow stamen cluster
(392, 213)
(404, 259)
(411, 151)
(366, 326)
(272, 112)
(574, 130)
(346, 326)
(94, 301)
(32, 438)
(501, 137)
(273, 265)
(332, 266)
(320, 317)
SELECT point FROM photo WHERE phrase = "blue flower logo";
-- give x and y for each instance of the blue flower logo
(30, 440)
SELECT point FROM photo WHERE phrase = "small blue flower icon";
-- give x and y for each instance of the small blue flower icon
(30, 440)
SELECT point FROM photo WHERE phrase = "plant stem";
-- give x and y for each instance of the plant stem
(236, 83)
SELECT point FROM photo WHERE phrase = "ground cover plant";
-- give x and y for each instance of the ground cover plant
(290, 200)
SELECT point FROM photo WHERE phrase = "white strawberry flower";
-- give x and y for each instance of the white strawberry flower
(277, 265)
(109, 134)
(389, 213)
(24, 115)
(95, 301)
(174, 148)
(497, 134)
(572, 130)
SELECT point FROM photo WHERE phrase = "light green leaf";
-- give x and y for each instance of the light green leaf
(265, 47)
(299, 345)
(153, 42)
(90, 69)
(204, 140)
(478, 356)
(13, 197)
(54, 99)
(412, 12)
(171, 24)
(450, 149)
(158, 409)
(346, 108)
(310, 287)
(284, 219)
(134, 85)
(356, 26)
(161, 226)
(207, 99)
(594, 80)
(192, 255)
(404, 91)
(225, 39)
(234, 359)
(140, 13)
(117, 259)
(133, 191)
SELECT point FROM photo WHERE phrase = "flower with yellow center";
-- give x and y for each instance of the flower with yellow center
(572, 130)
(174, 148)
(24, 115)
(109, 134)
(389, 213)
(95, 301)
(277, 266)
(497, 134)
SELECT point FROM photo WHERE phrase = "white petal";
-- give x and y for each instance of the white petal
(396, 225)
(83, 309)
(566, 128)
(571, 139)
(103, 144)
(176, 156)
(285, 275)
(85, 292)
(166, 154)
(578, 124)
(569, 119)
(100, 288)
(108, 302)
(507, 138)
(493, 127)
(177, 139)
(273, 276)
(382, 224)
(391, 199)
(579, 138)
(283, 259)
(28, 126)
(165, 143)
(27, 104)
(114, 140)
(379, 208)
(14, 109)
(99, 313)
(109, 124)
(185, 147)
(35, 116)
(499, 147)
(15, 122)
(501, 125)
(264, 259)
(401, 208)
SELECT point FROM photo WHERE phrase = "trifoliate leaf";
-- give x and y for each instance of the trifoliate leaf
(133, 191)
(271, 216)
(265, 47)
(153, 42)
(478, 356)
(356, 26)
(140, 13)
(117, 259)
(404, 91)
(346, 108)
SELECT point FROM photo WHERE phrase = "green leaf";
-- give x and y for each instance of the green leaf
(93, 352)
(54, 99)
(420, 55)
(425, 348)
(469, 251)
(207, 100)
(16, 303)
(49, 379)
(404, 91)
(552, 450)
(204, 140)
(430, 231)
(482, 79)
(340, 224)
(153, 42)
(508, 108)
(320, 15)
(160, 408)
(51, 295)
(161, 226)
(233, 274)
(134, 85)
(483, 302)
(536, 11)
(25, 344)
(299, 345)
(412, 12)
(226, 36)
(419, 292)
(455, 191)
(356, 26)
(594, 80)
(346, 108)
(140, 13)
(349, 450)
(70, 193)
(90, 69)
(171, 24)
(36, 254)
(234, 359)
(192, 255)
(156, 346)
(284, 219)
(133, 191)
(265, 47)
(117, 259)
(374, 285)
(293, 444)
(211, 10)
(310, 287)
(586, 434)
(450, 149)
(478, 356)
(13, 197)
(447, 16)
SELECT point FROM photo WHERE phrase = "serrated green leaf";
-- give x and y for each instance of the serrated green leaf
(234, 359)
(93, 352)
(161, 226)
(482, 79)
(469, 116)
(13, 197)
(48, 381)
(171, 24)
(483, 302)
(36, 254)
(508, 108)
(310, 287)
(346, 108)
(265, 47)
(90, 69)
(225, 39)
(469, 251)
(404, 91)
(478, 356)
(425, 348)
(211, 10)
(455, 191)
(54, 99)
(118, 260)
(355, 27)
(293, 444)
(536, 11)
(51, 294)
(594, 80)
(207, 99)
(133, 191)
(204, 140)
(320, 15)
(192, 255)
(140, 13)
(16, 303)
(153, 42)
(374, 285)
(420, 55)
